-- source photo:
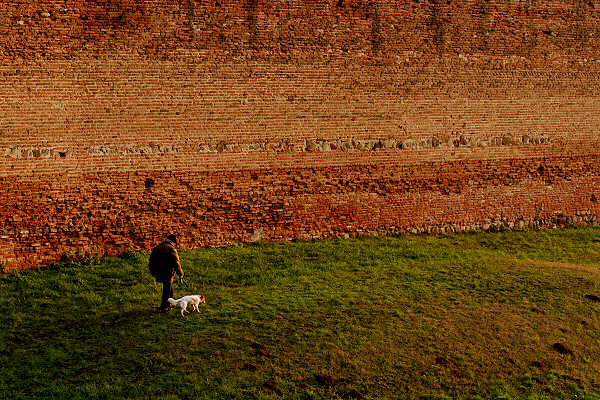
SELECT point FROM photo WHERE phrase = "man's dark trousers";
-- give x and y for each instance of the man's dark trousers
(167, 292)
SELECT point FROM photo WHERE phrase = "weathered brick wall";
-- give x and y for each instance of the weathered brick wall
(228, 121)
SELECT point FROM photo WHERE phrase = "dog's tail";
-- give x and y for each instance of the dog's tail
(172, 301)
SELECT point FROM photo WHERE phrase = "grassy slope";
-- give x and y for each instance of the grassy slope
(460, 316)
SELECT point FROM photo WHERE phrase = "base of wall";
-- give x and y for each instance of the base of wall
(49, 217)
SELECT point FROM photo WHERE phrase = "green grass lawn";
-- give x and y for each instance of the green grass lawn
(490, 315)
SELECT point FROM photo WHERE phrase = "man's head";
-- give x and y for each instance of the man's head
(171, 238)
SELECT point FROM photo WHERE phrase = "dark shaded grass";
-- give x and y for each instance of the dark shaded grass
(461, 316)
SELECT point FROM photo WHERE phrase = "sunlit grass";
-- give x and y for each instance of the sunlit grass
(460, 316)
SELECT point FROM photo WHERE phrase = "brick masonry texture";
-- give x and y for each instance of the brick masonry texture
(233, 121)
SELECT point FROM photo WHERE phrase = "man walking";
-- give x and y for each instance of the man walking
(164, 264)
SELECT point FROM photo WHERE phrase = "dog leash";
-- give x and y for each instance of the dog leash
(182, 282)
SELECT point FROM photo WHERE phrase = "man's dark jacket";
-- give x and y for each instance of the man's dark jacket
(164, 262)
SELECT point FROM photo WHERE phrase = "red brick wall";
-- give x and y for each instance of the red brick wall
(226, 121)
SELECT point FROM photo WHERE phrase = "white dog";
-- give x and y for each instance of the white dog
(183, 302)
